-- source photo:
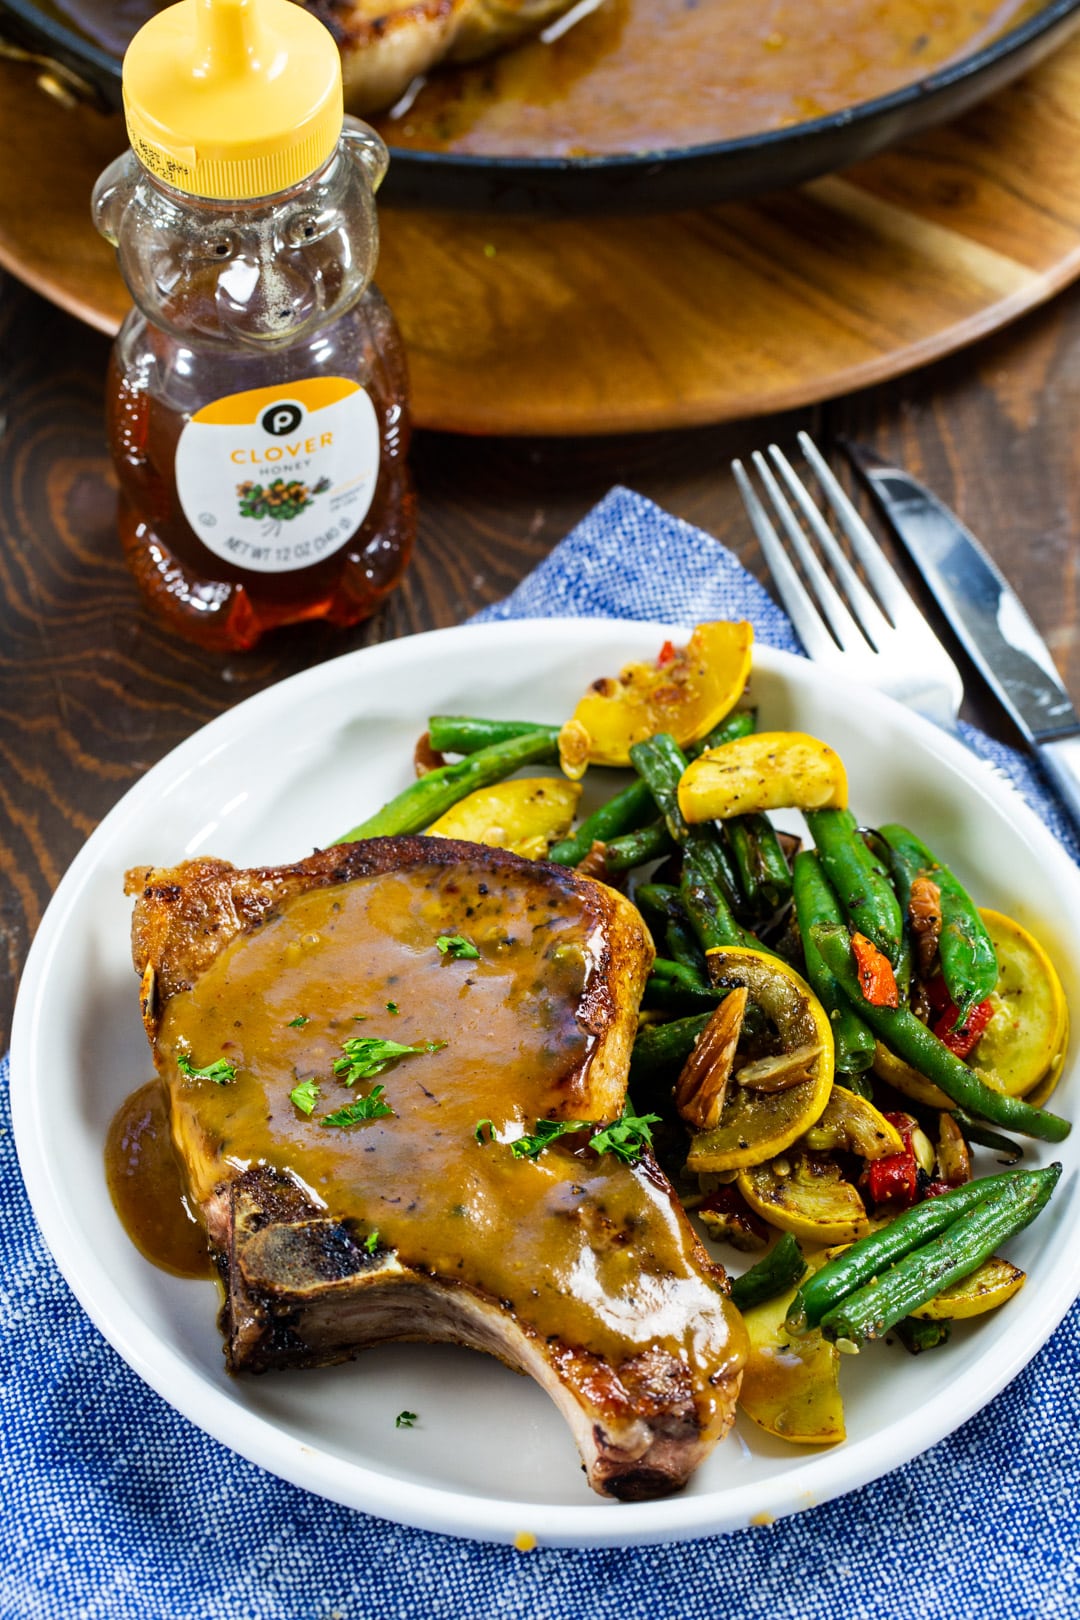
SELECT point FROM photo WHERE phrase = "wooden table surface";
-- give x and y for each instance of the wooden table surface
(93, 691)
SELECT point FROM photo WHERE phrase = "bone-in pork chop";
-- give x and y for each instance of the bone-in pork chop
(262, 991)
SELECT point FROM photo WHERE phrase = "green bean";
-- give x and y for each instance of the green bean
(774, 1274)
(634, 844)
(675, 987)
(661, 762)
(872, 1310)
(739, 723)
(627, 810)
(664, 765)
(706, 901)
(649, 843)
(974, 1131)
(658, 903)
(661, 906)
(918, 1333)
(870, 1256)
(900, 1030)
(969, 963)
(762, 868)
(426, 799)
(464, 733)
(816, 903)
(904, 965)
(861, 882)
(660, 1050)
(713, 887)
(681, 945)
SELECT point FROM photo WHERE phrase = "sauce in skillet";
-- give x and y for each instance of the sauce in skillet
(582, 1247)
(646, 74)
(642, 75)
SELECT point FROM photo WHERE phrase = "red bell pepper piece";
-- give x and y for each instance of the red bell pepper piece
(964, 1040)
(877, 980)
(666, 655)
(894, 1180)
(904, 1124)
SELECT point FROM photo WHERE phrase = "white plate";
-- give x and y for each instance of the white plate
(293, 768)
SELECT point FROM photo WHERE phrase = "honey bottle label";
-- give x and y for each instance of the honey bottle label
(275, 479)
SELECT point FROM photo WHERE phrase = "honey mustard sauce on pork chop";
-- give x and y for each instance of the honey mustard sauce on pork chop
(422, 1222)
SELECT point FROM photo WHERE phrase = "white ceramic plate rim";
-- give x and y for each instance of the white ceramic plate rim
(810, 1478)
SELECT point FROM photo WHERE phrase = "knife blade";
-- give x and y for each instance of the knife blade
(986, 615)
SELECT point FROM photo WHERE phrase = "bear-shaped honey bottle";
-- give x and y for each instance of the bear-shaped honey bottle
(258, 396)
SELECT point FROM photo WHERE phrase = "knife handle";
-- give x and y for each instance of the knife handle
(1061, 759)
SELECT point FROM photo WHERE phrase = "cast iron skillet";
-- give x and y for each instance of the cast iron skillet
(647, 181)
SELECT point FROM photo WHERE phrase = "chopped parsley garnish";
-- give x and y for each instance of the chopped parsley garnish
(457, 945)
(365, 1056)
(480, 1127)
(392, 1007)
(359, 1018)
(405, 1420)
(371, 1242)
(305, 1096)
(530, 1147)
(221, 1073)
(298, 1022)
(354, 1113)
(626, 1137)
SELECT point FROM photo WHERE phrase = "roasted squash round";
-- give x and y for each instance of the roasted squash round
(756, 1123)
(685, 691)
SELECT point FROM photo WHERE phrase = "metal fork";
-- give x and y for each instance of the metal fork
(885, 643)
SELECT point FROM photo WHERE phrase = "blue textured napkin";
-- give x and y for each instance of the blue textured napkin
(115, 1508)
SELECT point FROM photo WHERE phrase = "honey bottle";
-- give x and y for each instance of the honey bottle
(257, 395)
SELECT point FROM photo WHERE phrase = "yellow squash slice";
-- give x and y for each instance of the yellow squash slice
(1039, 1094)
(685, 693)
(756, 1125)
(791, 1389)
(527, 815)
(805, 1195)
(850, 1124)
(991, 1285)
(1026, 1038)
(769, 770)
(908, 1081)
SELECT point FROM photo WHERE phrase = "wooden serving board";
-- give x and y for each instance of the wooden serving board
(527, 325)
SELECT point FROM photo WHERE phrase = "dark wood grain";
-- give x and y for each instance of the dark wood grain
(596, 325)
(93, 691)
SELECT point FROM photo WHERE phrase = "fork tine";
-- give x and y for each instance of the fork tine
(873, 620)
(898, 604)
(793, 593)
(844, 628)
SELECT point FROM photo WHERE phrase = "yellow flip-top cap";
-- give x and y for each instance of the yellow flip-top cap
(233, 98)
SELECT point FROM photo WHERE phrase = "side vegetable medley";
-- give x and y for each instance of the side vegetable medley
(832, 1028)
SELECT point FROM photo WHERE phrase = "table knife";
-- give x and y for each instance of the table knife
(987, 616)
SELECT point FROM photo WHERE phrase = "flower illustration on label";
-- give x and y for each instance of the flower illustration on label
(279, 501)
